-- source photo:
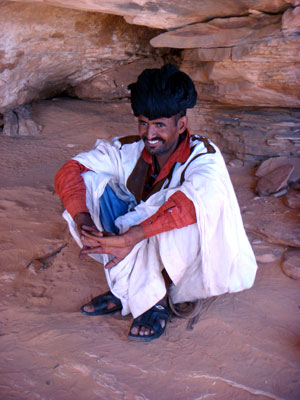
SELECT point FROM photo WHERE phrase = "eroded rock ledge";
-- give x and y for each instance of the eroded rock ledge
(243, 56)
(166, 14)
(46, 50)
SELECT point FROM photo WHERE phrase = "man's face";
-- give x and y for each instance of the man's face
(161, 135)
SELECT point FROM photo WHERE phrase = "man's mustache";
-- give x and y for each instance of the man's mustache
(155, 138)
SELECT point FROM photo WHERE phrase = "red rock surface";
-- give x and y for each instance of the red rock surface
(46, 50)
(167, 14)
(270, 164)
(275, 180)
(243, 57)
(253, 133)
(244, 346)
(291, 263)
(292, 199)
(221, 32)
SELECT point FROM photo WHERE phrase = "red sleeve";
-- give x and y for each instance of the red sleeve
(70, 187)
(178, 211)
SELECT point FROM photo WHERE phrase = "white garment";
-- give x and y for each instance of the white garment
(205, 259)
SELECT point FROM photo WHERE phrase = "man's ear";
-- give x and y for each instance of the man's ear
(182, 124)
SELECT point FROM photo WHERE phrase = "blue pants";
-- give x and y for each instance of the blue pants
(111, 207)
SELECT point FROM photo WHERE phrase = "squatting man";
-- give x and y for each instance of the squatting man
(157, 209)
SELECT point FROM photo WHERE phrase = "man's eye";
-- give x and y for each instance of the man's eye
(160, 125)
(143, 123)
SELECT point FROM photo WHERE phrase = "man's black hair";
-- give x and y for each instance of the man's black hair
(162, 92)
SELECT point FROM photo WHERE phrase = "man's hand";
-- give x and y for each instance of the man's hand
(119, 246)
(84, 218)
(85, 223)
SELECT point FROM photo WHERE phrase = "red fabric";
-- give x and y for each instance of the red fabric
(70, 187)
(177, 212)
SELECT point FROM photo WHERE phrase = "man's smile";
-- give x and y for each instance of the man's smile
(153, 141)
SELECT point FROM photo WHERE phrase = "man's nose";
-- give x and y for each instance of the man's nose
(151, 132)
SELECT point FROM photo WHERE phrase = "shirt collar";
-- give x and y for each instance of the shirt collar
(181, 154)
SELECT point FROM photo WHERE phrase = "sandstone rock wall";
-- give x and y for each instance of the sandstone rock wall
(245, 61)
(243, 56)
(247, 73)
(166, 14)
(249, 133)
(46, 50)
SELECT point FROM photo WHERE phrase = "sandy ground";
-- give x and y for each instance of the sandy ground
(245, 346)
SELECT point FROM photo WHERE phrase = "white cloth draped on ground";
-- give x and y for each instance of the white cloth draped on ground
(205, 259)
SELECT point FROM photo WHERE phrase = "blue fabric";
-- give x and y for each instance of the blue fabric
(111, 207)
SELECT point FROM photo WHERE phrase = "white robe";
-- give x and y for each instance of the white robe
(205, 259)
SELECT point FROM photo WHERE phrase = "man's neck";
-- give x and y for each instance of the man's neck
(162, 159)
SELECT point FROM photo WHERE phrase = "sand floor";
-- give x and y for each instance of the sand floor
(245, 346)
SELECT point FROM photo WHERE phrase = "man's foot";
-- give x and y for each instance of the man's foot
(151, 324)
(106, 303)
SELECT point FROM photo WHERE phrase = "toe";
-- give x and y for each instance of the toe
(88, 308)
(147, 332)
(142, 331)
(135, 330)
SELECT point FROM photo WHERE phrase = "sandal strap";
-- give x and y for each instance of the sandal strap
(105, 297)
(100, 305)
(152, 318)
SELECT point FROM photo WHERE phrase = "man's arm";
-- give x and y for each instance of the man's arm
(70, 187)
(178, 211)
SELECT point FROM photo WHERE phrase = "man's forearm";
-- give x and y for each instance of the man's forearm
(134, 235)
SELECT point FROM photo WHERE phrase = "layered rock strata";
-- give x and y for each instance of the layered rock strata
(166, 14)
(46, 50)
(249, 60)
(244, 61)
(250, 133)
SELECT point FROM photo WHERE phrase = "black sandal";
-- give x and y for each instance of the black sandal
(100, 304)
(151, 319)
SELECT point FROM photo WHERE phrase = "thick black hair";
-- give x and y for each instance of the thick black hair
(162, 92)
